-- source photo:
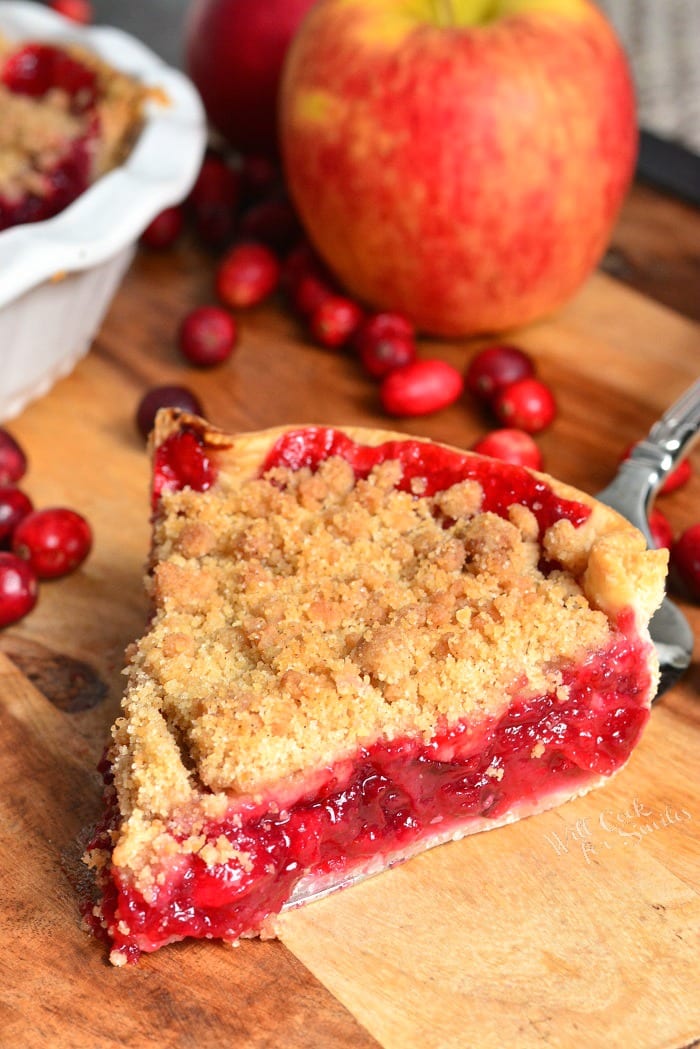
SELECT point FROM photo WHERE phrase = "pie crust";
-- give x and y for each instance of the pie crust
(67, 118)
(362, 645)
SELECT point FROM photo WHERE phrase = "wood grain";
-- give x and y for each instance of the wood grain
(558, 931)
(656, 249)
(57, 987)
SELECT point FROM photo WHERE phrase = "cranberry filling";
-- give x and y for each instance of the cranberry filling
(435, 466)
(33, 70)
(390, 798)
(37, 68)
(64, 183)
(182, 461)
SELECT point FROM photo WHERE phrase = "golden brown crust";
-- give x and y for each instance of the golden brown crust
(300, 615)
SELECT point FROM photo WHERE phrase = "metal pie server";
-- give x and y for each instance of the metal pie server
(632, 493)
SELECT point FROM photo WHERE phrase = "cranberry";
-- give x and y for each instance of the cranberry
(13, 461)
(383, 342)
(214, 201)
(76, 10)
(527, 405)
(309, 294)
(207, 336)
(510, 446)
(14, 505)
(496, 367)
(685, 558)
(305, 280)
(164, 230)
(661, 531)
(164, 397)
(54, 541)
(18, 588)
(246, 275)
(259, 176)
(182, 461)
(388, 353)
(334, 321)
(677, 477)
(376, 325)
(300, 261)
(420, 387)
(273, 222)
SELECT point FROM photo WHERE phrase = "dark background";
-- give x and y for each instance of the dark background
(159, 23)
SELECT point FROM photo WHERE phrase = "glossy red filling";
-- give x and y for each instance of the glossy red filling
(33, 70)
(37, 68)
(390, 798)
(184, 460)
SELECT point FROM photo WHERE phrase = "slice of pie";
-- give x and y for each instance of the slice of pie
(362, 645)
(67, 118)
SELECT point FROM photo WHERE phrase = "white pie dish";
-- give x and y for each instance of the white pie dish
(57, 277)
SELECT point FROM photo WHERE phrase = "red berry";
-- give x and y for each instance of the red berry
(677, 477)
(76, 10)
(526, 405)
(13, 461)
(377, 325)
(685, 558)
(207, 336)
(54, 541)
(305, 280)
(661, 531)
(273, 222)
(386, 354)
(496, 367)
(164, 397)
(214, 201)
(510, 446)
(334, 321)
(310, 292)
(420, 388)
(383, 342)
(246, 275)
(14, 505)
(18, 588)
(164, 230)
(259, 176)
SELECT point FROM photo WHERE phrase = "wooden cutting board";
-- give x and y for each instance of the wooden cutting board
(577, 927)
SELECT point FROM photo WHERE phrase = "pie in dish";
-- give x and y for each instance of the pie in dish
(362, 645)
(67, 118)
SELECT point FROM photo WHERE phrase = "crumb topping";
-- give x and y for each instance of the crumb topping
(36, 133)
(302, 614)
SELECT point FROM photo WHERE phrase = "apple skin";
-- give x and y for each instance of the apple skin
(467, 176)
(234, 51)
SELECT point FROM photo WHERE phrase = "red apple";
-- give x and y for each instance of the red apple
(456, 161)
(234, 54)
